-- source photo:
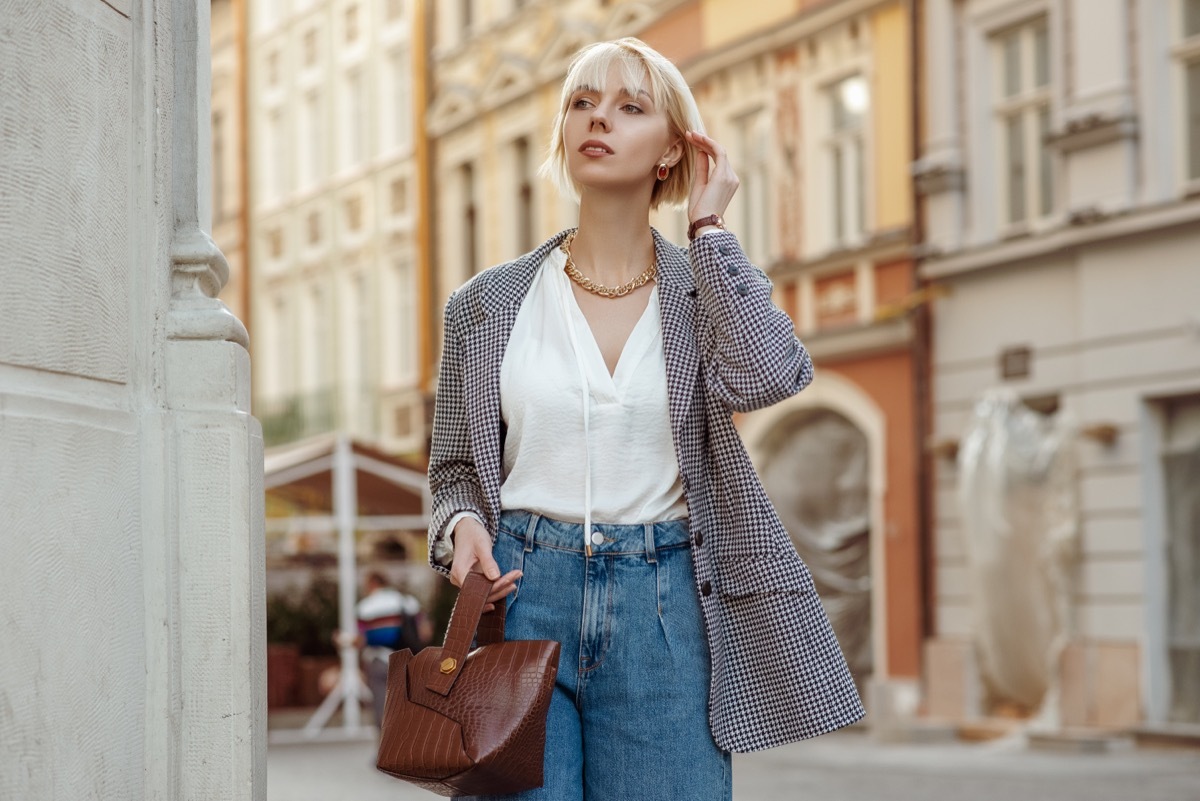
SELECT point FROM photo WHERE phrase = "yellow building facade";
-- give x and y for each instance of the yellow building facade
(813, 101)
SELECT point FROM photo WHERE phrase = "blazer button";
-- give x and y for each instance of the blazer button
(733, 269)
(699, 539)
(724, 250)
(706, 588)
(742, 290)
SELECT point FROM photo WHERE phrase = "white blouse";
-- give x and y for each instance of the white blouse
(605, 456)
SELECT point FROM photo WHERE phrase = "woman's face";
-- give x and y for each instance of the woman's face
(615, 141)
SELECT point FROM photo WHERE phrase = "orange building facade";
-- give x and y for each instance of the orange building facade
(813, 101)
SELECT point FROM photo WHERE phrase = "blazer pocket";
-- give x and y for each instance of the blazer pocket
(771, 575)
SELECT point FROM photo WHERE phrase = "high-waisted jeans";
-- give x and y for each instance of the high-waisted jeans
(628, 719)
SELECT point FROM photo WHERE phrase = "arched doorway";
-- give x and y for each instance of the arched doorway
(815, 466)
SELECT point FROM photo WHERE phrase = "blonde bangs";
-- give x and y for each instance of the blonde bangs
(638, 63)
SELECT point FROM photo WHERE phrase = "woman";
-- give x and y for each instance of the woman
(584, 459)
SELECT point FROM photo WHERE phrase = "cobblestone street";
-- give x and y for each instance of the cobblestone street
(841, 767)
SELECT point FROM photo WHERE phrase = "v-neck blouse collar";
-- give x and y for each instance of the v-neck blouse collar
(642, 338)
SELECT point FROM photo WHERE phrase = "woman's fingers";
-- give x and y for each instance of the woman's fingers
(505, 586)
(714, 183)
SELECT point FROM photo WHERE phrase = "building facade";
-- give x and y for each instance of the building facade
(1058, 175)
(337, 92)
(229, 164)
(813, 101)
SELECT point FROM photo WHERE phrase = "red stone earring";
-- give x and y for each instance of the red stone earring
(663, 172)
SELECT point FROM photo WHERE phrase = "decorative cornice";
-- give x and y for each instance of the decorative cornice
(1092, 130)
(934, 178)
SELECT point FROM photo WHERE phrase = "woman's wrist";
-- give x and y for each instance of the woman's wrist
(702, 222)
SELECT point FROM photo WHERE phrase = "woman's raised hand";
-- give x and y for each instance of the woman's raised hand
(714, 184)
(473, 553)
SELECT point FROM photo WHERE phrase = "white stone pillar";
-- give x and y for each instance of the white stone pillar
(131, 556)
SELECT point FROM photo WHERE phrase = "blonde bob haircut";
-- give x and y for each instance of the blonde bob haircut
(668, 91)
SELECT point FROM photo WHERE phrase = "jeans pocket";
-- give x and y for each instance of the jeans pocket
(509, 553)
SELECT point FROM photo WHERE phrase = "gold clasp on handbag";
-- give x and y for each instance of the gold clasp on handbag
(449, 664)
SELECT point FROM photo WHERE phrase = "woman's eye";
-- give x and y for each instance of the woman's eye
(582, 102)
(632, 108)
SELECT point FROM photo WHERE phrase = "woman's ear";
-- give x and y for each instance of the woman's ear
(674, 152)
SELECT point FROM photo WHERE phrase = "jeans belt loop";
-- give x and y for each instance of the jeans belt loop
(651, 556)
(534, 517)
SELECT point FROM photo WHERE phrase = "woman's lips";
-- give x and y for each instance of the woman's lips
(595, 149)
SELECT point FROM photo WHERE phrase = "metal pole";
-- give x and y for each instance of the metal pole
(345, 511)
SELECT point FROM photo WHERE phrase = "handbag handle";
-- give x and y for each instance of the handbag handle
(466, 619)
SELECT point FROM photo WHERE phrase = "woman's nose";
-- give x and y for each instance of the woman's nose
(598, 119)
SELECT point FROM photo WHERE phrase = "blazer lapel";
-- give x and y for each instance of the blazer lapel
(492, 316)
(681, 350)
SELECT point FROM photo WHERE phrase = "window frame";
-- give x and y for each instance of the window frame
(1032, 106)
(1186, 57)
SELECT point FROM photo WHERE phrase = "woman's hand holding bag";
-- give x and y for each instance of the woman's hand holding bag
(473, 554)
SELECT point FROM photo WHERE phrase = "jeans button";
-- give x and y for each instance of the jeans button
(706, 588)
(597, 538)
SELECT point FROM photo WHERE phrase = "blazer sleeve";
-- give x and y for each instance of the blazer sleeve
(453, 479)
(752, 357)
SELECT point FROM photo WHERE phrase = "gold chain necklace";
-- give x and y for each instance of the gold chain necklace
(597, 288)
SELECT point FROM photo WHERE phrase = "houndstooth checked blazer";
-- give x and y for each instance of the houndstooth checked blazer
(778, 674)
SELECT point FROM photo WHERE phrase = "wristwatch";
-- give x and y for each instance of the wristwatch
(712, 219)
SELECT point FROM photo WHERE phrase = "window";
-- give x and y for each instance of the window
(401, 101)
(848, 102)
(399, 196)
(1191, 18)
(354, 213)
(218, 166)
(282, 350)
(276, 178)
(275, 243)
(466, 182)
(1023, 116)
(272, 69)
(356, 129)
(1191, 84)
(405, 332)
(752, 147)
(319, 342)
(310, 47)
(362, 302)
(314, 228)
(394, 10)
(311, 167)
(523, 200)
(351, 24)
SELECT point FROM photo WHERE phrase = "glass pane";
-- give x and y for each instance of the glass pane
(1193, 119)
(1015, 151)
(1183, 560)
(1045, 164)
(850, 100)
(1041, 55)
(1191, 17)
(839, 197)
(860, 190)
(1012, 64)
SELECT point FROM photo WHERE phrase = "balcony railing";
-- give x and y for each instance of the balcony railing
(294, 417)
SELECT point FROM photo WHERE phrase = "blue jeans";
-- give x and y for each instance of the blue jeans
(628, 719)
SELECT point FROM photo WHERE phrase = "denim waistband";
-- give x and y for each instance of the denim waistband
(616, 538)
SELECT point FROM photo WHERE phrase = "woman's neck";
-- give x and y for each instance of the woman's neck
(614, 244)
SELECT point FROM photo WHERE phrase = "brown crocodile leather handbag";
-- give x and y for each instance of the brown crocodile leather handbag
(469, 722)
